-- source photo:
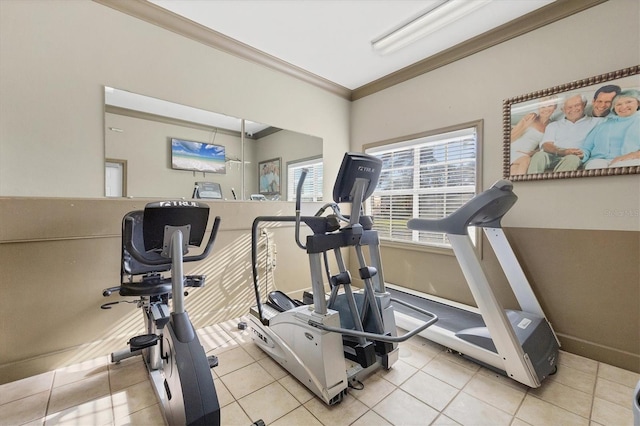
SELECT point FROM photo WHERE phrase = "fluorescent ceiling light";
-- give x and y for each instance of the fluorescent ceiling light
(433, 20)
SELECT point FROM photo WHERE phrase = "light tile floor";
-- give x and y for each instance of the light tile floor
(427, 386)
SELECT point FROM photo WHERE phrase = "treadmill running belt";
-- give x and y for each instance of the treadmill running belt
(449, 317)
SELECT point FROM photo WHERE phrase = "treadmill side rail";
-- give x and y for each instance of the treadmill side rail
(516, 364)
(513, 271)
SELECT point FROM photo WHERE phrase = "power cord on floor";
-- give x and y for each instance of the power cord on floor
(360, 384)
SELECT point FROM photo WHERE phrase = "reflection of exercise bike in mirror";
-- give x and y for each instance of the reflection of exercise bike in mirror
(154, 241)
(311, 338)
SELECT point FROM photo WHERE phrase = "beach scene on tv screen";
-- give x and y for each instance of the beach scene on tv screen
(202, 157)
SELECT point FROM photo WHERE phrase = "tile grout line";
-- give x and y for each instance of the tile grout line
(593, 392)
(275, 380)
(515, 415)
(46, 410)
(113, 411)
(441, 412)
(574, 389)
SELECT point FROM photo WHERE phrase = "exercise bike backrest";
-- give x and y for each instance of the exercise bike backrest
(147, 234)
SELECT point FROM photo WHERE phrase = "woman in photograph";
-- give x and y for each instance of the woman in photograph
(616, 141)
(527, 135)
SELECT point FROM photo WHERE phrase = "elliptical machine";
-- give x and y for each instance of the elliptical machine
(154, 241)
(311, 338)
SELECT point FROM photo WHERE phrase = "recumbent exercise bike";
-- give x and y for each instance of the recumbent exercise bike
(155, 241)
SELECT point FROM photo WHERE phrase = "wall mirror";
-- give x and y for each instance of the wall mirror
(156, 148)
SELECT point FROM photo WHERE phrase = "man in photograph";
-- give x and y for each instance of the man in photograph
(601, 104)
(560, 149)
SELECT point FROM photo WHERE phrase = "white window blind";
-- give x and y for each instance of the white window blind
(312, 187)
(427, 177)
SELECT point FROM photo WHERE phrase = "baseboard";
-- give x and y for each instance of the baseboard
(608, 355)
(29, 367)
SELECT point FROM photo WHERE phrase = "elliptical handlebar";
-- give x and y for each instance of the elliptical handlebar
(303, 176)
(157, 260)
(382, 337)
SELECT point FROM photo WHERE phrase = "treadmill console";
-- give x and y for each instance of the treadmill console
(207, 190)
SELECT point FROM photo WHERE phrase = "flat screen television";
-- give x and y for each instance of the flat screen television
(197, 156)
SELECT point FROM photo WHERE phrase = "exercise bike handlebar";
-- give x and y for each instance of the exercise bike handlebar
(382, 337)
(142, 258)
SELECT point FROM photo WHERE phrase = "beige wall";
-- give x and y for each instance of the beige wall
(596, 313)
(57, 56)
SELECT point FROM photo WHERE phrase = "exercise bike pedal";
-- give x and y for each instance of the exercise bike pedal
(213, 361)
(194, 281)
(143, 341)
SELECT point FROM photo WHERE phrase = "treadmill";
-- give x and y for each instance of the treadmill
(518, 343)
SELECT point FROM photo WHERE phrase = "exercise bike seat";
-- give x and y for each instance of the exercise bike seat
(152, 286)
(143, 246)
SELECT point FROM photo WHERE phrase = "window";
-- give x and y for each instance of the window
(428, 176)
(312, 187)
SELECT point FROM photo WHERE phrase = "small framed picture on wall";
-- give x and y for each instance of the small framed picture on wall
(269, 176)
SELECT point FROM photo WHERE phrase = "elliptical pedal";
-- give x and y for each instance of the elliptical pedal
(280, 301)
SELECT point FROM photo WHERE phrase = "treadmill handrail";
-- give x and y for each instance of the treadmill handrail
(382, 337)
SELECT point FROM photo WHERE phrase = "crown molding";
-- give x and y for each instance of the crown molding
(166, 120)
(163, 18)
(173, 22)
(548, 14)
(185, 123)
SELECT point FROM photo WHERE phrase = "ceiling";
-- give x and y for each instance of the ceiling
(332, 38)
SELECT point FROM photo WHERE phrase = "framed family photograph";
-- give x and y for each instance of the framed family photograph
(269, 176)
(588, 127)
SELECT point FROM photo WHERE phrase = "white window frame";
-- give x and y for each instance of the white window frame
(423, 139)
(314, 179)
